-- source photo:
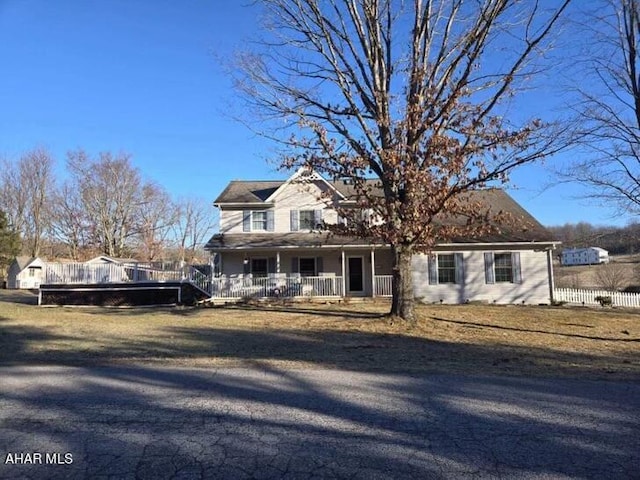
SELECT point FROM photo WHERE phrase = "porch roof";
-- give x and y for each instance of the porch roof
(259, 241)
(243, 241)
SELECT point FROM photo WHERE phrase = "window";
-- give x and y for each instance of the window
(308, 267)
(446, 268)
(307, 220)
(32, 272)
(259, 220)
(503, 267)
(259, 267)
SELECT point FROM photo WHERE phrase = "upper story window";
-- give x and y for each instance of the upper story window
(305, 219)
(257, 221)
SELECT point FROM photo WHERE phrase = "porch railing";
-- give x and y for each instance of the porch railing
(276, 286)
(383, 285)
(74, 273)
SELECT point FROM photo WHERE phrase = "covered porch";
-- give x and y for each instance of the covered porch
(305, 270)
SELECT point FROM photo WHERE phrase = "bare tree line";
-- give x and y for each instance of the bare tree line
(102, 206)
(617, 240)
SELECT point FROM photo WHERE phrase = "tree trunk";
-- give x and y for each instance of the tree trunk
(402, 304)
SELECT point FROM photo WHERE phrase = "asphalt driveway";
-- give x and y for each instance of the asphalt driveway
(152, 422)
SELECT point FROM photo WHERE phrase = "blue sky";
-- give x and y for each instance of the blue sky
(146, 77)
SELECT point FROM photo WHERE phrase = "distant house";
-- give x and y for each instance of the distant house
(584, 256)
(25, 272)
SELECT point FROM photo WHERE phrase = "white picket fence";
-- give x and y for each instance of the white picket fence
(588, 297)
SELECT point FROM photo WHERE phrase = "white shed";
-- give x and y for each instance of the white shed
(25, 272)
(585, 256)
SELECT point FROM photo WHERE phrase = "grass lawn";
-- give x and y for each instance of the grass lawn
(469, 339)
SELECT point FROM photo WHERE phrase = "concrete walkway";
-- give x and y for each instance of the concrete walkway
(157, 423)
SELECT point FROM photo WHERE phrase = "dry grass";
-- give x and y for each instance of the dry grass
(623, 271)
(469, 339)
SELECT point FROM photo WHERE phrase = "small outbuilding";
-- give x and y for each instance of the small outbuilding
(25, 273)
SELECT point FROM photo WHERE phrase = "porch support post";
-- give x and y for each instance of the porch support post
(373, 273)
(278, 261)
(550, 274)
(344, 274)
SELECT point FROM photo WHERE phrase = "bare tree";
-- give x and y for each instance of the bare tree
(111, 192)
(156, 217)
(70, 223)
(411, 94)
(27, 188)
(609, 107)
(194, 226)
(613, 276)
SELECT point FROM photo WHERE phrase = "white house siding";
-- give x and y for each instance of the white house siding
(231, 221)
(296, 196)
(293, 196)
(29, 278)
(533, 289)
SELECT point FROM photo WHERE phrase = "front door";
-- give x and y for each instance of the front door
(355, 275)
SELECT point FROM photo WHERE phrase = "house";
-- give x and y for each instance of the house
(584, 256)
(25, 272)
(270, 244)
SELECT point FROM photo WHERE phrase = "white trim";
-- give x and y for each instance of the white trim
(446, 246)
(243, 205)
(313, 175)
(343, 263)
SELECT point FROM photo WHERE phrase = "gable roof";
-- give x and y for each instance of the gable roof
(251, 191)
(308, 176)
(525, 228)
(24, 261)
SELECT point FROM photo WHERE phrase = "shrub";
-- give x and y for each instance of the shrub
(604, 300)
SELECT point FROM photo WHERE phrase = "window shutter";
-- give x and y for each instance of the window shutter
(294, 221)
(246, 220)
(459, 262)
(433, 269)
(295, 265)
(271, 265)
(515, 265)
(247, 267)
(319, 265)
(317, 219)
(489, 275)
(270, 221)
